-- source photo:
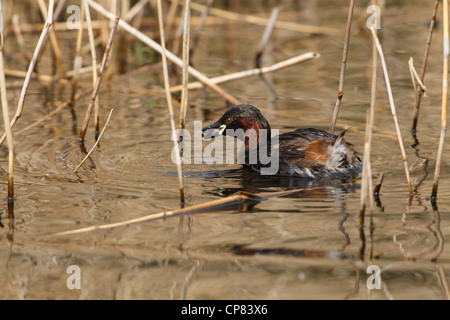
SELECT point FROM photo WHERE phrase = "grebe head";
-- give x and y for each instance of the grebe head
(243, 116)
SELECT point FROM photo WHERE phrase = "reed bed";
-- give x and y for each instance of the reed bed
(127, 21)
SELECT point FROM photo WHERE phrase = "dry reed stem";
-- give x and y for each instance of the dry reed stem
(5, 111)
(95, 144)
(169, 104)
(60, 6)
(393, 110)
(155, 46)
(99, 79)
(53, 41)
(366, 183)
(419, 93)
(43, 36)
(343, 66)
(185, 73)
(93, 58)
(444, 101)
(138, 7)
(286, 25)
(415, 77)
(252, 72)
(40, 77)
(78, 60)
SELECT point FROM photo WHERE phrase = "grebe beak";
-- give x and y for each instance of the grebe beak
(211, 130)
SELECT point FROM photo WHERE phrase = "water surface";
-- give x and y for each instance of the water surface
(302, 245)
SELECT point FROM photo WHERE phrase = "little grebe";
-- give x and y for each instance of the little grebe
(310, 152)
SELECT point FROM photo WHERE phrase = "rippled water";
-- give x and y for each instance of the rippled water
(301, 245)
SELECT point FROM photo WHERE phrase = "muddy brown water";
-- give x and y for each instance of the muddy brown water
(305, 245)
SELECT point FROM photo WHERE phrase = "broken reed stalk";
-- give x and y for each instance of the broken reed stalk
(446, 50)
(185, 73)
(5, 110)
(343, 66)
(415, 77)
(366, 181)
(155, 46)
(252, 72)
(99, 80)
(393, 110)
(420, 91)
(169, 104)
(23, 93)
(266, 36)
(95, 144)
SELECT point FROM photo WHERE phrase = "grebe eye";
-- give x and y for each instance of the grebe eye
(228, 121)
(222, 129)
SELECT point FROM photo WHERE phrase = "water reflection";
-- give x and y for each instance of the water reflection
(253, 182)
